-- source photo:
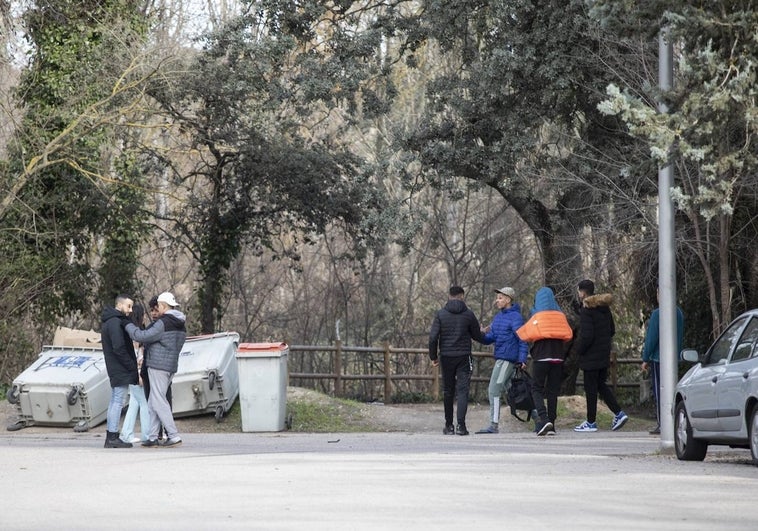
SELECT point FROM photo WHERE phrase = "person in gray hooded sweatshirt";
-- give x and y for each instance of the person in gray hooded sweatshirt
(164, 340)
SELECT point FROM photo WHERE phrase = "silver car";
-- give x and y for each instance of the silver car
(716, 401)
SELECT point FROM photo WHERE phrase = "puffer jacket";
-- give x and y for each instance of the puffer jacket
(163, 340)
(596, 330)
(502, 333)
(453, 328)
(118, 349)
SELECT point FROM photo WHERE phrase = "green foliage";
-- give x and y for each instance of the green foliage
(252, 102)
(327, 416)
(62, 155)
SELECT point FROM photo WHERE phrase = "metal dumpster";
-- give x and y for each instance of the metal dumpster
(207, 380)
(263, 385)
(65, 386)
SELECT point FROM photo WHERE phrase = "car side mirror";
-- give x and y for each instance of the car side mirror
(690, 355)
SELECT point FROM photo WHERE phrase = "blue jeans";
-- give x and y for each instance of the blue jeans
(116, 405)
(137, 404)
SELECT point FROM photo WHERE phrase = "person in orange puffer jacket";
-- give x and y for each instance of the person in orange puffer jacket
(548, 331)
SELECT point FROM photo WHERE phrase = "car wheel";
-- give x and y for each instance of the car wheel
(687, 447)
(753, 434)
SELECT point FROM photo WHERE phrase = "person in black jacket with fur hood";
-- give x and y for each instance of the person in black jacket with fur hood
(120, 363)
(453, 328)
(596, 331)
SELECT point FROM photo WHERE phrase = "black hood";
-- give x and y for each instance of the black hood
(110, 312)
(455, 306)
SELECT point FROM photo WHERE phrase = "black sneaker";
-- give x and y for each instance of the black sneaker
(449, 430)
(151, 443)
(462, 429)
(544, 427)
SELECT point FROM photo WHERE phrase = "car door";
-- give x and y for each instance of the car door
(734, 384)
(705, 382)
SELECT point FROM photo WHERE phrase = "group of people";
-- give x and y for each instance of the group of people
(546, 335)
(147, 376)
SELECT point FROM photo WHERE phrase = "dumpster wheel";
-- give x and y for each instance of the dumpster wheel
(81, 426)
(72, 396)
(16, 425)
(13, 395)
(288, 422)
(219, 413)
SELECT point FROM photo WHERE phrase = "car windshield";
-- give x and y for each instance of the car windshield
(720, 350)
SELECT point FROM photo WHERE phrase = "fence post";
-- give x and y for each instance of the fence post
(387, 374)
(338, 368)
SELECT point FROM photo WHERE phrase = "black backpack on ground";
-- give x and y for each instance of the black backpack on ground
(520, 394)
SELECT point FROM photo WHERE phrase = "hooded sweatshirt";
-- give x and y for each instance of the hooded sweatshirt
(118, 349)
(547, 328)
(453, 328)
(163, 340)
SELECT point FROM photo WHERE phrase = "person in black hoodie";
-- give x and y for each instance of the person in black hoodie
(453, 328)
(120, 363)
(596, 330)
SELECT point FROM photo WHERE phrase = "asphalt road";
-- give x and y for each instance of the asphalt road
(604, 480)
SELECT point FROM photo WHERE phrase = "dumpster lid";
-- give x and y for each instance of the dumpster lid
(252, 348)
(261, 350)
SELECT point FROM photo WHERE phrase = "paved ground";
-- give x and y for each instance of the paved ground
(615, 480)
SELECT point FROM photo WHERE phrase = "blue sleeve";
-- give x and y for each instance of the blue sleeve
(523, 346)
(652, 337)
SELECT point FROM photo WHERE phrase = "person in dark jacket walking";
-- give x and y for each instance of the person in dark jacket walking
(510, 352)
(120, 363)
(596, 330)
(163, 340)
(453, 328)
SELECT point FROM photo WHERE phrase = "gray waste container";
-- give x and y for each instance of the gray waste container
(262, 371)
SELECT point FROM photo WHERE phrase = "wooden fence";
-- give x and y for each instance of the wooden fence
(338, 372)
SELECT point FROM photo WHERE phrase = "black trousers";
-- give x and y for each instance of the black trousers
(456, 379)
(546, 384)
(594, 385)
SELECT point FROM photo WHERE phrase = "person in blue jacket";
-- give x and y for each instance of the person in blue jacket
(651, 357)
(509, 352)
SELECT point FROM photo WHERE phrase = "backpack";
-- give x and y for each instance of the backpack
(520, 394)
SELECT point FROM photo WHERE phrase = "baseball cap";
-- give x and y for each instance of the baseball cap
(508, 291)
(168, 298)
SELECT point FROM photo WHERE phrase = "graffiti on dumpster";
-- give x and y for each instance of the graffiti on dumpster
(83, 363)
